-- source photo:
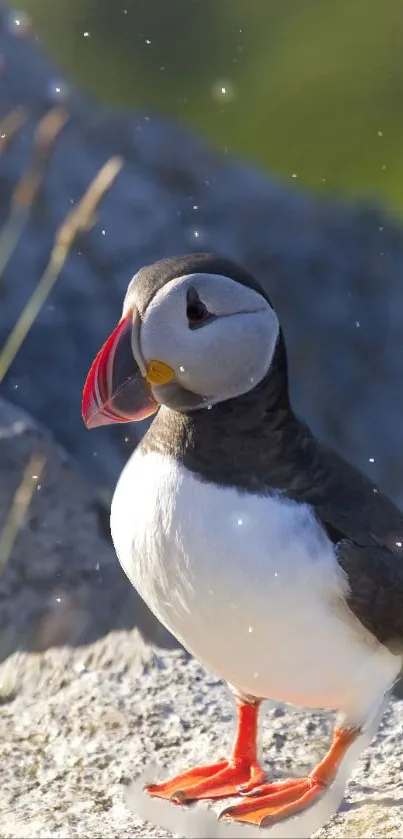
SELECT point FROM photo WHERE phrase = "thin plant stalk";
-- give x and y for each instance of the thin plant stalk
(78, 221)
(21, 501)
(9, 126)
(25, 192)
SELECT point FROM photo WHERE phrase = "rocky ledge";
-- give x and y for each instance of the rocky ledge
(85, 723)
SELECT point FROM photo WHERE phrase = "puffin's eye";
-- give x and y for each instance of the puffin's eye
(196, 311)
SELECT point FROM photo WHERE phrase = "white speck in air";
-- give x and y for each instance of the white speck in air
(223, 91)
(195, 207)
(240, 522)
(97, 566)
(103, 232)
(196, 234)
(371, 459)
(357, 324)
(86, 34)
(294, 175)
(380, 133)
(58, 89)
(399, 544)
(181, 369)
(255, 675)
(250, 629)
(148, 42)
(381, 229)
(375, 490)
(34, 477)
(18, 23)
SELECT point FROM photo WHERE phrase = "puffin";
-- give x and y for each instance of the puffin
(273, 560)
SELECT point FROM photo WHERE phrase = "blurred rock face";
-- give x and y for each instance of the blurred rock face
(333, 271)
(61, 583)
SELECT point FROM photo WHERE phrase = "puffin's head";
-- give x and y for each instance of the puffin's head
(195, 330)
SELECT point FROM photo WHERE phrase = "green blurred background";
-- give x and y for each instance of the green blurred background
(311, 90)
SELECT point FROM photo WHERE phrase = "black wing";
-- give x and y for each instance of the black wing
(375, 577)
(367, 530)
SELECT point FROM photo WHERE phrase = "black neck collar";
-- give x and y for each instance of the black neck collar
(253, 442)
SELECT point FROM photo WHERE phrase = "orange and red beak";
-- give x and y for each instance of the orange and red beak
(116, 389)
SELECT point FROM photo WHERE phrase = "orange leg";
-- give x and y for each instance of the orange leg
(225, 778)
(270, 803)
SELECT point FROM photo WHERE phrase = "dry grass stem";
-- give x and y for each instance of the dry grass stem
(77, 221)
(9, 126)
(47, 131)
(19, 507)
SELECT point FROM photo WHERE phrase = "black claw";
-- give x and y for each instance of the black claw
(266, 821)
(225, 812)
(178, 797)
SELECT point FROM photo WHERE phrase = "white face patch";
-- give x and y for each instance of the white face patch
(224, 357)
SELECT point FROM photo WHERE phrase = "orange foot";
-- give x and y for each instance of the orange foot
(271, 803)
(228, 777)
(274, 802)
(219, 780)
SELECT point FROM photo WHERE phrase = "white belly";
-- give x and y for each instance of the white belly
(249, 585)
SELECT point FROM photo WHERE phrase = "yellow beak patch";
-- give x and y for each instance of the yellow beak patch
(159, 373)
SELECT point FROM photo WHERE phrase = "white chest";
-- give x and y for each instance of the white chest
(249, 585)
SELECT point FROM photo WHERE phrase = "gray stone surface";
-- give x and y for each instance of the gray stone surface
(333, 271)
(85, 724)
(62, 582)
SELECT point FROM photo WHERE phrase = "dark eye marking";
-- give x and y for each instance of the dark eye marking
(197, 312)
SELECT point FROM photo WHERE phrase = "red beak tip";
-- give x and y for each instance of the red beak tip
(95, 418)
(103, 402)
